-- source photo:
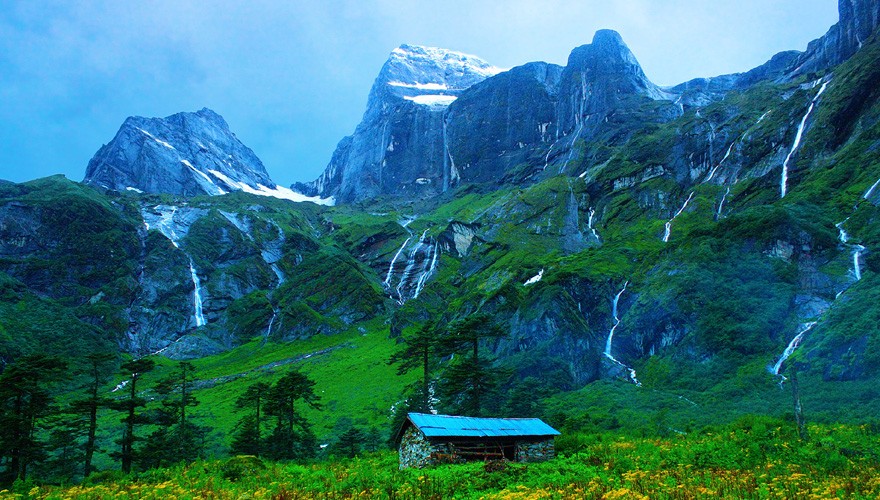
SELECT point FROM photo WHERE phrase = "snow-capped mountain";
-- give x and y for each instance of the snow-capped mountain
(436, 118)
(183, 154)
(430, 76)
(398, 148)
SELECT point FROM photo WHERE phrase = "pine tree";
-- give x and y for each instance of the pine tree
(416, 353)
(135, 369)
(248, 439)
(292, 437)
(177, 438)
(25, 399)
(349, 443)
(470, 384)
(91, 403)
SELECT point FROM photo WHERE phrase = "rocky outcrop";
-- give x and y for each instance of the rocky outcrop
(183, 154)
(436, 119)
(398, 148)
(702, 91)
(858, 21)
(503, 122)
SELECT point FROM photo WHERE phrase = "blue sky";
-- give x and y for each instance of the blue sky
(292, 77)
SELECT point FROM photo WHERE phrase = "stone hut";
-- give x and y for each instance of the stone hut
(426, 439)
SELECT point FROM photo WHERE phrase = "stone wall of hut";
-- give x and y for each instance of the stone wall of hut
(535, 451)
(416, 450)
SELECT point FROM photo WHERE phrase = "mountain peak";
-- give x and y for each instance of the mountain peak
(607, 52)
(209, 114)
(187, 153)
(608, 38)
(432, 68)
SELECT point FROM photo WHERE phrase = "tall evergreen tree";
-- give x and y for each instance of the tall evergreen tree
(248, 438)
(350, 443)
(91, 403)
(416, 353)
(470, 383)
(177, 438)
(135, 369)
(25, 399)
(292, 437)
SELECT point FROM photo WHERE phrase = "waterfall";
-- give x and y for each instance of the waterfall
(857, 250)
(797, 141)
(712, 173)
(871, 190)
(278, 273)
(448, 163)
(795, 342)
(607, 353)
(269, 329)
(420, 283)
(166, 226)
(857, 270)
(197, 296)
(579, 120)
(410, 265)
(669, 222)
(547, 157)
(590, 223)
(387, 281)
(421, 263)
(721, 205)
(616, 321)
(841, 233)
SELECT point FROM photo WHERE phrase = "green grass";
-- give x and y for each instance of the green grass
(751, 458)
(350, 371)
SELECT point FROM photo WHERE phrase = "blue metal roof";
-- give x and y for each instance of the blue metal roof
(452, 426)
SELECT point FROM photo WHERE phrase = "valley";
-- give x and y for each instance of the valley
(638, 265)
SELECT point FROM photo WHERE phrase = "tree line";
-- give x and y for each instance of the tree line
(458, 378)
(55, 439)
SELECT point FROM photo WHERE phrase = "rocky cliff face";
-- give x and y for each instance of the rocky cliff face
(436, 118)
(398, 148)
(184, 154)
(858, 21)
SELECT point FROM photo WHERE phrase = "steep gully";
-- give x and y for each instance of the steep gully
(797, 138)
(616, 319)
(795, 342)
(420, 264)
(166, 226)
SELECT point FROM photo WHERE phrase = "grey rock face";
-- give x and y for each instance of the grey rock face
(702, 91)
(858, 20)
(436, 118)
(398, 147)
(184, 154)
(502, 122)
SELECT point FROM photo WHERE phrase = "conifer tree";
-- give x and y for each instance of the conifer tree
(248, 439)
(469, 384)
(177, 438)
(25, 399)
(417, 352)
(134, 369)
(91, 403)
(292, 437)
